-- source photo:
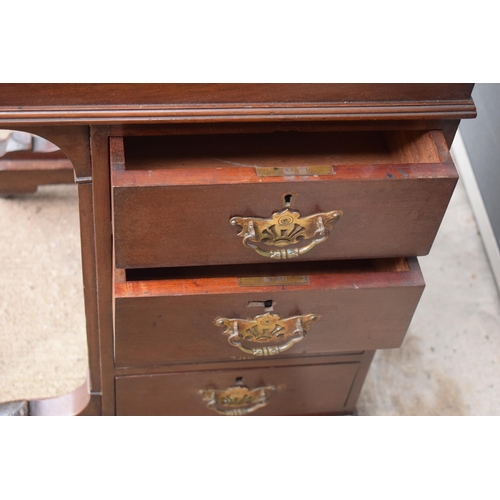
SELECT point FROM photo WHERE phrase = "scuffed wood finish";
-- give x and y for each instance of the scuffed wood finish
(172, 321)
(300, 390)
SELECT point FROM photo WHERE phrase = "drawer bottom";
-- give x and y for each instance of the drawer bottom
(328, 389)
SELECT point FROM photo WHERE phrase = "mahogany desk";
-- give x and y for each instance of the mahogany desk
(391, 138)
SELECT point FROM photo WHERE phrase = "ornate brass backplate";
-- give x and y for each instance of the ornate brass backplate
(284, 229)
(236, 400)
(266, 329)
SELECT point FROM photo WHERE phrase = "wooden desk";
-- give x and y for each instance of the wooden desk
(96, 126)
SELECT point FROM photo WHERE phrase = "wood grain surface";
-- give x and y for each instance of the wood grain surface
(125, 94)
(388, 211)
(173, 321)
(173, 206)
(300, 390)
(174, 210)
(148, 103)
(25, 175)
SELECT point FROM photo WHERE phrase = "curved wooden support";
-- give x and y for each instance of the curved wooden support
(74, 142)
(69, 404)
(25, 174)
(79, 402)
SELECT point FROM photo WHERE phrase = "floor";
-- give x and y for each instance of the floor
(42, 322)
(449, 363)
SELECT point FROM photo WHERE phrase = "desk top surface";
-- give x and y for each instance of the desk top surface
(53, 104)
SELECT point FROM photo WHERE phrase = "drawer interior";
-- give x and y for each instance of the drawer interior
(280, 149)
(264, 270)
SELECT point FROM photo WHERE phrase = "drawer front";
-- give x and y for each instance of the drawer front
(220, 318)
(296, 390)
(230, 214)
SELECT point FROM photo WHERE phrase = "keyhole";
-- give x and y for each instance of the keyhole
(239, 381)
(287, 200)
(266, 304)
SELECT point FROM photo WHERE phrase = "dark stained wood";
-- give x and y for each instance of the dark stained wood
(226, 279)
(73, 141)
(201, 237)
(235, 364)
(410, 174)
(122, 103)
(282, 149)
(178, 215)
(126, 94)
(317, 389)
(449, 129)
(19, 176)
(359, 380)
(103, 261)
(172, 321)
(87, 241)
(143, 114)
(35, 156)
(177, 275)
(174, 128)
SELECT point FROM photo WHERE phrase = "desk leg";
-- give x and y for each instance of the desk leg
(101, 200)
(87, 237)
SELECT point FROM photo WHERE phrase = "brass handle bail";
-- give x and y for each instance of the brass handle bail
(284, 229)
(236, 400)
(266, 328)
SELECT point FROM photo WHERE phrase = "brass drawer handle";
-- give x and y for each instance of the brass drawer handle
(284, 229)
(236, 400)
(266, 328)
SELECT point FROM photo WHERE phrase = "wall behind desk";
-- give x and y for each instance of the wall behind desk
(481, 138)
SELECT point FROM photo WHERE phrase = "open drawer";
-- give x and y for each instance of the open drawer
(251, 198)
(220, 313)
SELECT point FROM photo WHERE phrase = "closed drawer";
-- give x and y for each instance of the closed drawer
(252, 198)
(243, 312)
(290, 390)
